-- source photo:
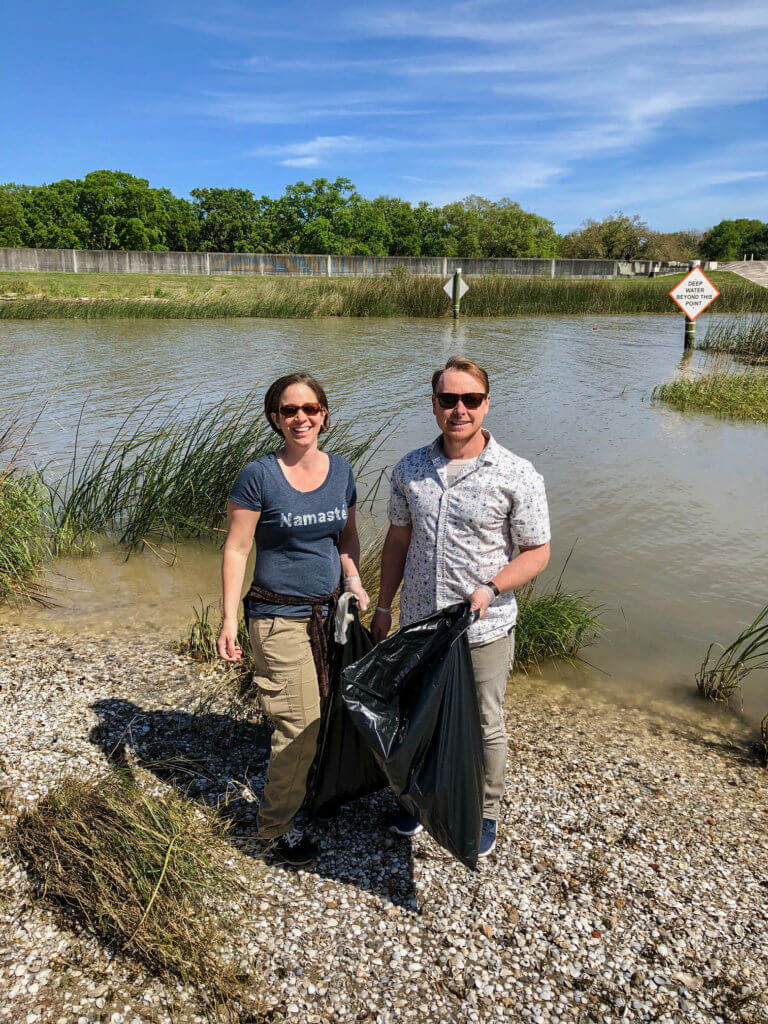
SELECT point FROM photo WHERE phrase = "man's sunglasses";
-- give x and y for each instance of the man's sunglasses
(310, 408)
(471, 400)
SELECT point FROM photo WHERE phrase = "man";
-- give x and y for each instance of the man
(458, 508)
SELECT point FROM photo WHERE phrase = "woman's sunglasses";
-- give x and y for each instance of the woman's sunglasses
(309, 408)
(471, 400)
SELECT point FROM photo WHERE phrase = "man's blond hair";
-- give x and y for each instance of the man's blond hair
(466, 366)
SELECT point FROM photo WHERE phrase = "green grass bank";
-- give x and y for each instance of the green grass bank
(45, 296)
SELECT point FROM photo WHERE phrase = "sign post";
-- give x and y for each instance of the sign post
(455, 288)
(693, 295)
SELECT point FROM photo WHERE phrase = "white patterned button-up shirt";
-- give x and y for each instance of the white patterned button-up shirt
(465, 531)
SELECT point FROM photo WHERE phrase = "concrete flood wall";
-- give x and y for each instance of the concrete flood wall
(87, 261)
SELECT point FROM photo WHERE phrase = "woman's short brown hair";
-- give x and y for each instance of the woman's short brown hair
(466, 366)
(276, 389)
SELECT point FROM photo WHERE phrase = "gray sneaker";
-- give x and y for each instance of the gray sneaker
(404, 824)
(487, 838)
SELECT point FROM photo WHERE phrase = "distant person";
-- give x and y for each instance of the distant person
(299, 505)
(458, 508)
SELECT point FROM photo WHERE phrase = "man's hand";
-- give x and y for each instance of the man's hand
(479, 600)
(380, 625)
(228, 647)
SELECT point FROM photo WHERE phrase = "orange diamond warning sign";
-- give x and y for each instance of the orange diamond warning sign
(694, 293)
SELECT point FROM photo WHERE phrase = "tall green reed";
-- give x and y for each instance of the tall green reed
(401, 295)
(23, 523)
(166, 476)
(744, 337)
(553, 623)
(720, 676)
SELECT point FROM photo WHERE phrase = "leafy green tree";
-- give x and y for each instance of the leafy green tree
(464, 223)
(135, 235)
(403, 231)
(436, 238)
(53, 218)
(673, 246)
(734, 239)
(313, 218)
(13, 224)
(508, 230)
(619, 237)
(480, 227)
(231, 220)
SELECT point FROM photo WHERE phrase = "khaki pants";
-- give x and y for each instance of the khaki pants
(491, 664)
(284, 672)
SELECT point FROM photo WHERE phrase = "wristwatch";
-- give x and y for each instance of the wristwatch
(493, 587)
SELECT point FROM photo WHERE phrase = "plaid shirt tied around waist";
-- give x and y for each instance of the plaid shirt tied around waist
(465, 531)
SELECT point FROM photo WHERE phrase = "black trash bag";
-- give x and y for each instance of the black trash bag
(413, 699)
(344, 768)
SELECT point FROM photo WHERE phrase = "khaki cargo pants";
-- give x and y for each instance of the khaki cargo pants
(491, 664)
(284, 672)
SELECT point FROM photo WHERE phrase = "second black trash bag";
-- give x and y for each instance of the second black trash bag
(344, 768)
(413, 699)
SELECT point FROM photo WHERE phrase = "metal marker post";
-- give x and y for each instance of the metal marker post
(693, 295)
(456, 293)
(690, 331)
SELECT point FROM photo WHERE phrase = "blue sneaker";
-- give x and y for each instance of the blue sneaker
(404, 824)
(487, 838)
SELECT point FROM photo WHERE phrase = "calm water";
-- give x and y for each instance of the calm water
(667, 512)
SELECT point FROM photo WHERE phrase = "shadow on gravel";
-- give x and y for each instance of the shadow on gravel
(740, 750)
(221, 761)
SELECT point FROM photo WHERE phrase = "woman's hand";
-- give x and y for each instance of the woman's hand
(480, 599)
(381, 625)
(228, 647)
(352, 585)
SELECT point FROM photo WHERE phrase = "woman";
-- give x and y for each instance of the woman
(299, 505)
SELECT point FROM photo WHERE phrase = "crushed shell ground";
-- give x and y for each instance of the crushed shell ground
(630, 880)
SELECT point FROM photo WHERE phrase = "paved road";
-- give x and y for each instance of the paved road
(753, 270)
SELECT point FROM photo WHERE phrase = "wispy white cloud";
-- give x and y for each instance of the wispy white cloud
(319, 150)
(246, 107)
(483, 97)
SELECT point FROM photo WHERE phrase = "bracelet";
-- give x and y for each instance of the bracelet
(489, 592)
(386, 611)
(492, 586)
(346, 578)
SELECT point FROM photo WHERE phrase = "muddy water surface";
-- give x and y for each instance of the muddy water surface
(667, 512)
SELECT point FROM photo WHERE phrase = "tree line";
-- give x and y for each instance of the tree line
(115, 210)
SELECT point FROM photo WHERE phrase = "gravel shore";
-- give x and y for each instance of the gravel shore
(630, 881)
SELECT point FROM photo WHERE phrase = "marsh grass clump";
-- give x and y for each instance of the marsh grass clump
(23, 520)
(745, 337)
(167, 476)
(720, 676)
(199, 639)
(22, 539)
(742, 396)
(144, 874)
(232, 691)
(764, 740)
(66, 540)
(552, 624)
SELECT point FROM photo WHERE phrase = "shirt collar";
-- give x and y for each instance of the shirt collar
(489, 454)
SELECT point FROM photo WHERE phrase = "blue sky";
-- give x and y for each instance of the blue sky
(574, 111)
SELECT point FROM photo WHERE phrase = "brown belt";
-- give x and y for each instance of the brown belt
(320, 629)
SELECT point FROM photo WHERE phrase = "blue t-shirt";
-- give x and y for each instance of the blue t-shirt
(297, 533)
